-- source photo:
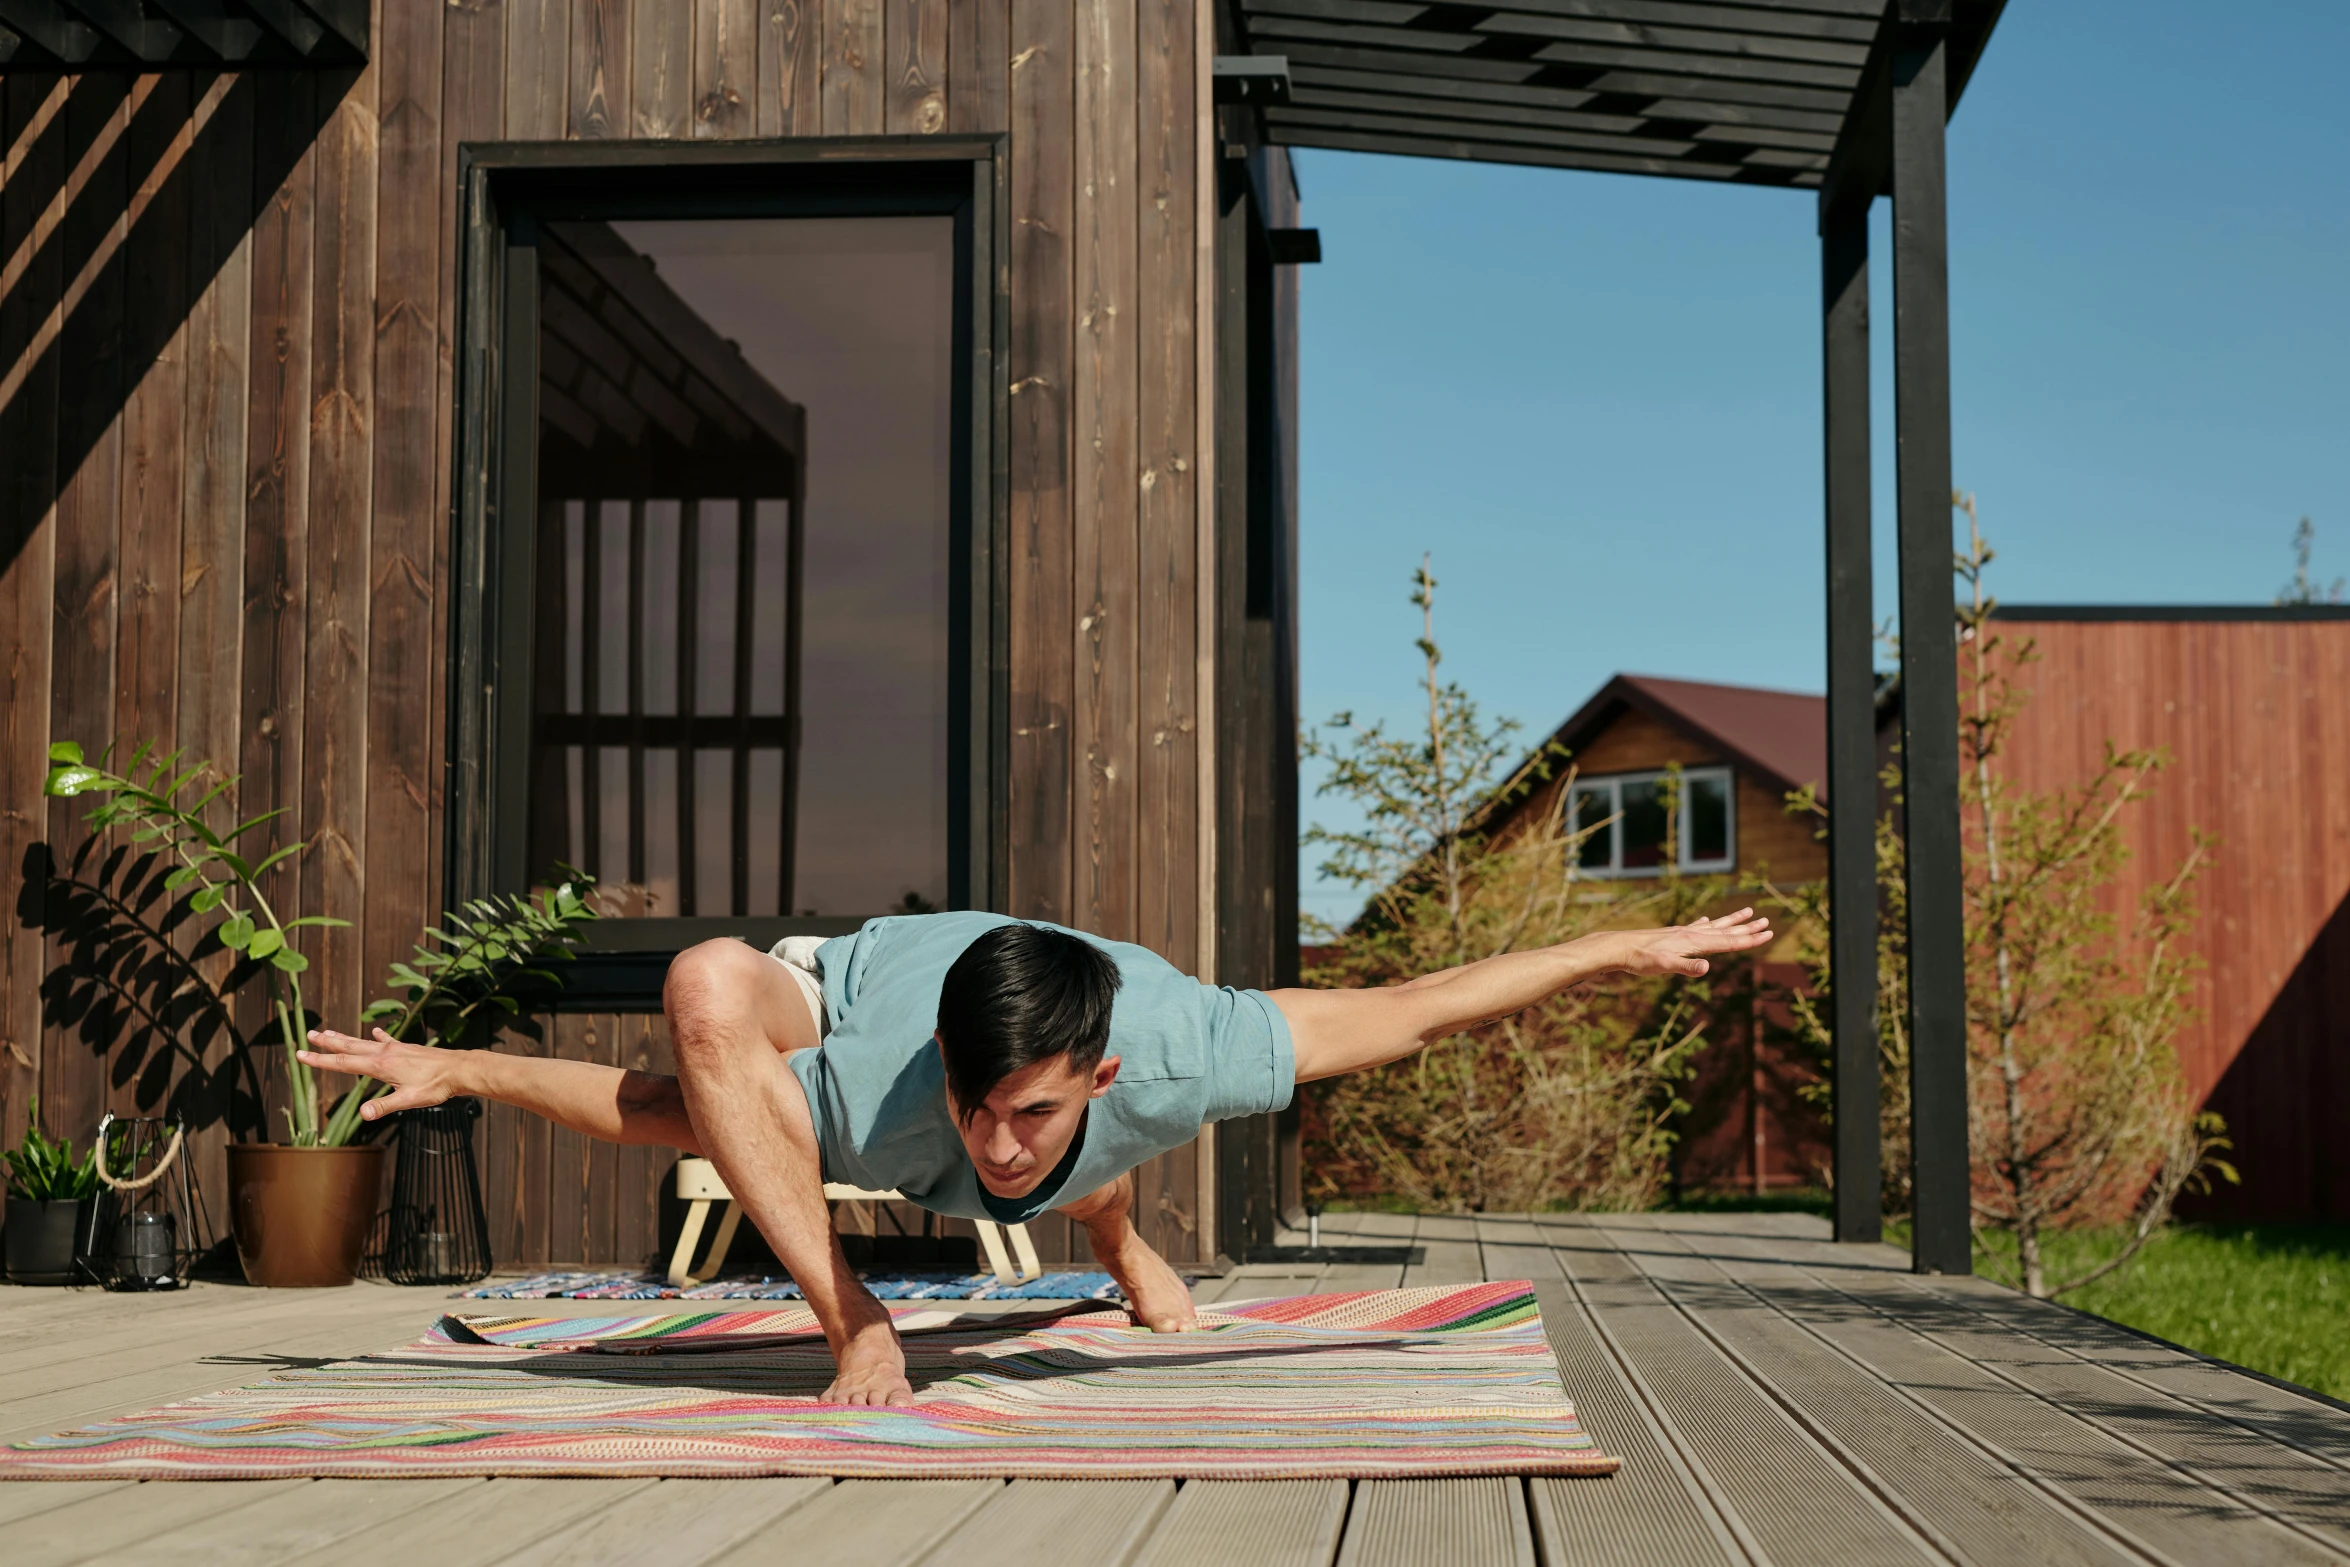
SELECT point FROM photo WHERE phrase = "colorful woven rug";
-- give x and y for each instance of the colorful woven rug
(1448, 1381)
(893, 1286)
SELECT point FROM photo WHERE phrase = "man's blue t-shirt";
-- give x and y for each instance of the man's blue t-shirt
(1188, 1054)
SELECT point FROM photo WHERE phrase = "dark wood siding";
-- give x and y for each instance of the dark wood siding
(2256, 718)
(228, 468)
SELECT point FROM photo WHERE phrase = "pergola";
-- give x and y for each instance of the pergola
(1845, 97)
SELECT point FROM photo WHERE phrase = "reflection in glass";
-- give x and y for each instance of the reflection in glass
(744, 473)
(1706, 799)
(1591, 809)
(1646, 827)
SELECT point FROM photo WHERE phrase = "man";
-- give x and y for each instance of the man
(985, 1067)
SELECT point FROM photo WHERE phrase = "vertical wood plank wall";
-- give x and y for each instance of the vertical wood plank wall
(226, 327)
(2254, 716)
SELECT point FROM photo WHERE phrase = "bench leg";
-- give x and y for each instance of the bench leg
(993, 1239)
(1030, 1269)
(682, 1258)
(713, 1264)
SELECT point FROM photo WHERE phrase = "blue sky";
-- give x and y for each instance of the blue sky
(1595, 400)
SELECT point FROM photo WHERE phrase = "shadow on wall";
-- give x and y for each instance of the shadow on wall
(126, 196)
(156, 1010)
(2286, 1096)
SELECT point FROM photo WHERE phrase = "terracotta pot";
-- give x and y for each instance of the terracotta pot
(301, 1215)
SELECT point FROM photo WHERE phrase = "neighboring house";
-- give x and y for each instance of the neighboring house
(1738, 753)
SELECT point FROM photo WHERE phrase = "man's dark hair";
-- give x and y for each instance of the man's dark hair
(1019, 995)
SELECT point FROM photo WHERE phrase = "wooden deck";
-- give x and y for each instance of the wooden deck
(1775, 1398)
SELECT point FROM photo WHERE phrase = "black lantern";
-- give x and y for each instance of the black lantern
(149, 1225)
(437, 1231)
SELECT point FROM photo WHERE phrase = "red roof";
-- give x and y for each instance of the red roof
(1780, 734)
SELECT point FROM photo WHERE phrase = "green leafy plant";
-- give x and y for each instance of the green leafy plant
(43, 1171)
(457, 985)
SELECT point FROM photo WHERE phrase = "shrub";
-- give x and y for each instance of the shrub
(1567, 1104)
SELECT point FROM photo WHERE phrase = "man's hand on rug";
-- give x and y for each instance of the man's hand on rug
(1156, 1295)
(417, 1075)
(870, 1368)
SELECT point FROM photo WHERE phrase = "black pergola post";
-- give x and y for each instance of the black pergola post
(1852, 724)
(1929, 656)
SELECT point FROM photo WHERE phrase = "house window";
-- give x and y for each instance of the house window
(1641, 824)
(731, 632)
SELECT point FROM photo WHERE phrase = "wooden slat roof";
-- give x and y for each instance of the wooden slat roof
(1748, 91)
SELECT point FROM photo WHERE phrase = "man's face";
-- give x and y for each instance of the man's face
(1017, 1134)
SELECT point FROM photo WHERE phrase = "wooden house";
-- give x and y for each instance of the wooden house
(796, 461)
(793, 462)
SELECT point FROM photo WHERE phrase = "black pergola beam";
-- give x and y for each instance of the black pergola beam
(1503, 152)
(1306, 58)
(1282, 32)
(1384, 110)
(55, 38)
(149, 35)
(1705, 29)
(1942, 1207)
(1852, 724)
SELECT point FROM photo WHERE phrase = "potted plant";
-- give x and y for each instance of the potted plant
(300, 1209)
(50, 1198)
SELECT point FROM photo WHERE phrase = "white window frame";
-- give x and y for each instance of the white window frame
(1686, 862)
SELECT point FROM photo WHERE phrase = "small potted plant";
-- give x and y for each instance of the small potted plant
(50, 1199)
(300, 1209)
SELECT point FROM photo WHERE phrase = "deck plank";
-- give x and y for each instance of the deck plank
(2151, 1443)
(1774, 1484)
(178, 1361)
(323, 1513)
(113, 1528)
(873, 1523)
(1774, 1397)
(673, 1523)
(1267, 1523)
(1967, 1498)
(1650, 1510)
(1976, 1376)
(2302, 1421)
(1478, 1522)
(1099, 1522)
(1448, 1244)
(482, 1521)
(23, 1501)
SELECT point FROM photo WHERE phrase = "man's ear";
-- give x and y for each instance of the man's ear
(1104, 1074)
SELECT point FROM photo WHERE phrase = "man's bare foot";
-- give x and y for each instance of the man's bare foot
(870, 1368)
(1156, 1295)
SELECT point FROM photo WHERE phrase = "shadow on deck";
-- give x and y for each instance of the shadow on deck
(1775, 1398)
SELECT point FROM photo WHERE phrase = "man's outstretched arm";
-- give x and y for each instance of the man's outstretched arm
(1340, 1031)
(602, 1101)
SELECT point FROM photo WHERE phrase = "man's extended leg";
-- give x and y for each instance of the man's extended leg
(1160, 1299)
(733, 1015)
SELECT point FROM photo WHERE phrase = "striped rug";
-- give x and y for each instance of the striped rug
(1441, 1381)
(636, 1285)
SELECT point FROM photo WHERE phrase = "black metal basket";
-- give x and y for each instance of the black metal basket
(149, 1227)
(436, 1231)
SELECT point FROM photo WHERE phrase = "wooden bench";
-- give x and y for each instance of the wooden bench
(700, 1185)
